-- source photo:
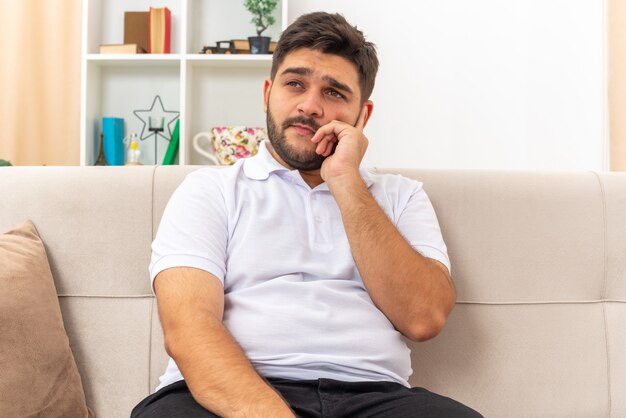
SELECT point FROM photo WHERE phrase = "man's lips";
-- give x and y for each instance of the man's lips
(303, 130)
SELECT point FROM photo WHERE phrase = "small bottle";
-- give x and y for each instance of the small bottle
(133, 153)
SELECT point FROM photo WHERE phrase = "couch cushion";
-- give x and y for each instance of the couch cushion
(106, 212)
(521, 237)
(39, 375)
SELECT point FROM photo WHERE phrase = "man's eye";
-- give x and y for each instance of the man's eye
(294, 84)
(335, 93)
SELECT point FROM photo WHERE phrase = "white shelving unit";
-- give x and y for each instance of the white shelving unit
(207, 90)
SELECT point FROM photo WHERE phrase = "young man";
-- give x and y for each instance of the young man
(286, 282)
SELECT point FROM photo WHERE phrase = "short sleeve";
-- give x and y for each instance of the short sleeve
(194, 228)
(419, 225)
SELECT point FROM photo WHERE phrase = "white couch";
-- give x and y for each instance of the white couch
(538, 259)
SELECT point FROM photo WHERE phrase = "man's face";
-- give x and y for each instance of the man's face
(309, 90)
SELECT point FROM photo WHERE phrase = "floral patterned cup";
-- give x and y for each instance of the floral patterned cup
(230, 143)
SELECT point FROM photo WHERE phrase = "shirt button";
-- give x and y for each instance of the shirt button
(317, 220)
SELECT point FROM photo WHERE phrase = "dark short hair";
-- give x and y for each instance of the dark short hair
(330, 34)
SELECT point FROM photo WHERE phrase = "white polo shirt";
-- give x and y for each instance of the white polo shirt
(294, 299)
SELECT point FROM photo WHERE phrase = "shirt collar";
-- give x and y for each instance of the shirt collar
(263, 164)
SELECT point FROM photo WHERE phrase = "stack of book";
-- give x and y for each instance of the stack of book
(241, 46)
(144, 32)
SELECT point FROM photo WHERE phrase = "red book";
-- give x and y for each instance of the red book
(160, 28)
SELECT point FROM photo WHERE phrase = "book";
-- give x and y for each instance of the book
(241, 46)
(159, 26)
(172, 148)
(136, 29)
(113, 138)
(121, 49)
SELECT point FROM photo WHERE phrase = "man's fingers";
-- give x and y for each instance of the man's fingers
(329, 149)
(323, 132)
(326, 143)
(328, 136)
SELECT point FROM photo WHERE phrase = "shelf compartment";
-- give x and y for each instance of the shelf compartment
(118, 90)
(210, 21)
(222, 96)
(105, 20)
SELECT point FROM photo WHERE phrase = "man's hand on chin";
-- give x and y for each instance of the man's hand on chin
(349, 145)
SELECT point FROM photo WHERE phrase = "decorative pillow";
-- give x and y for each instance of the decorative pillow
(38, 374)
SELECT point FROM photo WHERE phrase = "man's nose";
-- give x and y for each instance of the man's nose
(311, 105)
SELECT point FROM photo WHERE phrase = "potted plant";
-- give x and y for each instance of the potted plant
(262, 19)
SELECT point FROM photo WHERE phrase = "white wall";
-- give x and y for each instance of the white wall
(484, 83)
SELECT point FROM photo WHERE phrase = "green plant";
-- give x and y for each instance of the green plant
(262, 12)
(4, 163)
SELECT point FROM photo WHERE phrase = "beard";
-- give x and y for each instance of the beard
(307, 159)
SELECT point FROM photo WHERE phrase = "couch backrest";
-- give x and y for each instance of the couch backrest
(538, 259)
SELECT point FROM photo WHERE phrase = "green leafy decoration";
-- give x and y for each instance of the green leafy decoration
(5, 163)
(262, 11)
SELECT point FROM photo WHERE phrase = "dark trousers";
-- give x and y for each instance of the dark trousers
(320, 398)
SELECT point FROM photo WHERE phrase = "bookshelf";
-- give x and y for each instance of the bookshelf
(207, 90)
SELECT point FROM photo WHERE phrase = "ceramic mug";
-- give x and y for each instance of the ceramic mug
(230, 143)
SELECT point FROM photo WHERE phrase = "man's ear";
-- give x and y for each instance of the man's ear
(366, 113)
(267, 87)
